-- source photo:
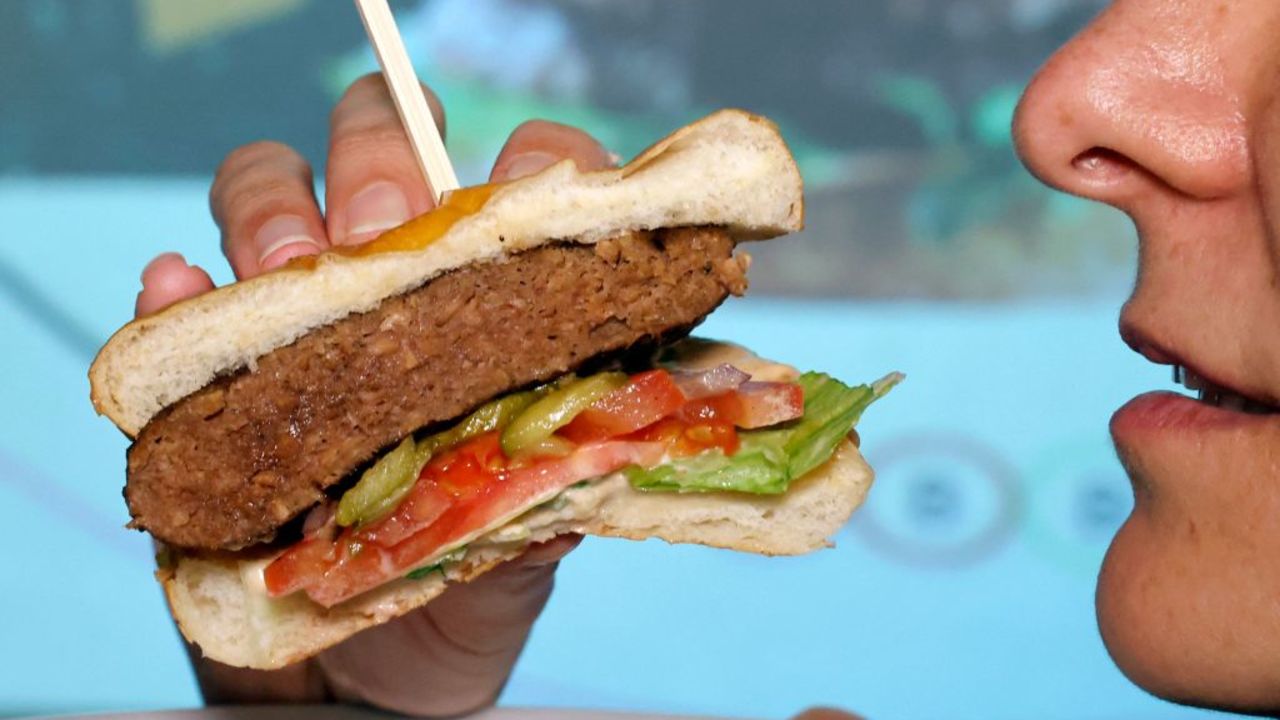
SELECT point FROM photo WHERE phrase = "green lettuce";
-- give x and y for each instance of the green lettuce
(769, 459)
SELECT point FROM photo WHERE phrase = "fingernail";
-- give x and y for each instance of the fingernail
(529, 163)
(283, 237)
(380, 206)
(159, 260)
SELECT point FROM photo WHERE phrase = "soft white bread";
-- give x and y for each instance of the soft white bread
(220, 605)
(730, 169)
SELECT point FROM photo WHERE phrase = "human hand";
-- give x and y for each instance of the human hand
(453, 655)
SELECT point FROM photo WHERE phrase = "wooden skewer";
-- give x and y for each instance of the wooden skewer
(407, 93)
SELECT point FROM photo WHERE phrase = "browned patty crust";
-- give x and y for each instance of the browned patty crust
(226, 466)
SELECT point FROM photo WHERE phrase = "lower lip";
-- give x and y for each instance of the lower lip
(1170, 411)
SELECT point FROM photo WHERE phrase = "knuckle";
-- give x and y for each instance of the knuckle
(255, 153)
(250, 164)
(369, 142)
(367, 101)
(538, 126)
(372, 82)
(367, 97)
(254, 193)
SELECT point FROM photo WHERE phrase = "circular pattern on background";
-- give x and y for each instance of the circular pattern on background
(940, 500)
(1080, 497)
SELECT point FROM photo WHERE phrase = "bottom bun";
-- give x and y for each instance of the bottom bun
(221, 605)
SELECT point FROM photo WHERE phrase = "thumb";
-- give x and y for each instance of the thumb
(449, 657)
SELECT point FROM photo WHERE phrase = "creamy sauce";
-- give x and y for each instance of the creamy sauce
(571, 506)
(261, 607)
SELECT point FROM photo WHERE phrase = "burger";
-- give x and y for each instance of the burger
(328, 446)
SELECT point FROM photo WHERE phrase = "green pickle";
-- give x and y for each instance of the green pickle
(491, 416)
(382, 486)
(561, 405)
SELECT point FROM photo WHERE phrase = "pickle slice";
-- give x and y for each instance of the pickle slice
(384, 485)
(493, 415)
(381, 487)
(560, 406)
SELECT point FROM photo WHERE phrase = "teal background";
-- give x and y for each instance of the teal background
(1004, 632)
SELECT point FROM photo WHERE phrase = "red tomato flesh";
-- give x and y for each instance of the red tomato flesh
(752, 405)
(298, 565)
(644, 400)
(424, 505)
(504, 494)
(682, 439)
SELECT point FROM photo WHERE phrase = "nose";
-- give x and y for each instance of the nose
(1140, 99)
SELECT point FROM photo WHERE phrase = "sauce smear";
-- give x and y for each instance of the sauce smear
(416, 234)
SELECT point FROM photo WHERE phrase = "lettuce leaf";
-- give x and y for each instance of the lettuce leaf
(770, 459)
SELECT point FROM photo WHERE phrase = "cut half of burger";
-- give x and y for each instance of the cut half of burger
(325, 447)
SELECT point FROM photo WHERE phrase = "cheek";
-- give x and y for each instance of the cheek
(1189, 596)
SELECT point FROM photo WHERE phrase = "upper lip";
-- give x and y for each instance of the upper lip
(1145, 345)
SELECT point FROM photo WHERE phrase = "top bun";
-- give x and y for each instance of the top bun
(730, 169)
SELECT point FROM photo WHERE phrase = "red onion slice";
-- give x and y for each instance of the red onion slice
(707, 383)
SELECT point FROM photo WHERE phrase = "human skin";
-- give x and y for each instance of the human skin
(453, 655)
(1167, 110)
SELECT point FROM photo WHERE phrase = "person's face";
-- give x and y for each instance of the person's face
(1170, 111)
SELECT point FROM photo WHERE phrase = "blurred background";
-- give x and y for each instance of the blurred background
(962, 590)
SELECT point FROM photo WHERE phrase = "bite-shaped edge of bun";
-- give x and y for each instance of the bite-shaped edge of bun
(730, 169)
(237, 626)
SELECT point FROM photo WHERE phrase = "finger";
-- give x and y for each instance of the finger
(166, 280)
(449, 657)
(373, 182)
(549, 552)
(538, 144)
(263, 200)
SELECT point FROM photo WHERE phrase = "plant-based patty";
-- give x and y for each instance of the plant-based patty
(225, 467)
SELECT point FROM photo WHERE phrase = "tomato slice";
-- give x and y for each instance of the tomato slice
(356, 557)
(645, 399)
(708, 436)
(683, 439)
(359, 567)
(468, 469)
(424, 505)
(510, 493)
(752, 405)
(299, 565)
(769, 403)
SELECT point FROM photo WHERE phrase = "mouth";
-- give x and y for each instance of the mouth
(1219, 396)
(1208, 390)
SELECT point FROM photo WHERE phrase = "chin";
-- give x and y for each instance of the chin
(1189, 594)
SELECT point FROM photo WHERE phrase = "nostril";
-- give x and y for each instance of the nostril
(1102, 165)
